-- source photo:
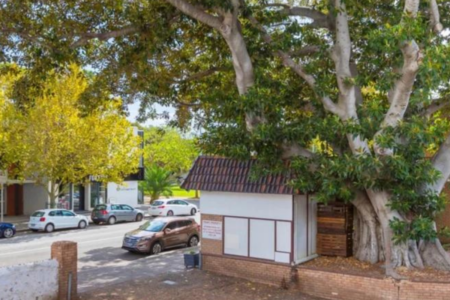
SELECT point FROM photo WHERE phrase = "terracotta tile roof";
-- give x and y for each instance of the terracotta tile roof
(220, 174)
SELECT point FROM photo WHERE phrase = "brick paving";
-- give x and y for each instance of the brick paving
(192, 285)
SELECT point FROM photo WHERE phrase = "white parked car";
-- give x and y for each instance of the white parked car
(171, 207)
(51, 219)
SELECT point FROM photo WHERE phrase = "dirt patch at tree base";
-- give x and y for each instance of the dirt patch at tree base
(353, 266)
(193, 285)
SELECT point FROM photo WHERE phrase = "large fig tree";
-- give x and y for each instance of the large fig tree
(353, 93)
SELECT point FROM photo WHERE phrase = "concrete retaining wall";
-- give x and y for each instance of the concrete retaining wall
(37, 281)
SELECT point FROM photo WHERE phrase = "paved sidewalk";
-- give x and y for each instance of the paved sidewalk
(191, 285)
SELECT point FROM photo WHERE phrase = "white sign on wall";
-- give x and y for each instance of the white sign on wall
(212, 230)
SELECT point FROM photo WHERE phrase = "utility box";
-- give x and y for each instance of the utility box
(335, 229)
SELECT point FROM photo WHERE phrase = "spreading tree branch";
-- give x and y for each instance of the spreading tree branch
(103, 36)
(229, 26)
(320, 20)
(412, 7)
(436, 106)
(441, 162)
(305, 51)
(435, 17)
(287, 60)
(340, 54)
(292, 150)
(401, 92)
(196, 13)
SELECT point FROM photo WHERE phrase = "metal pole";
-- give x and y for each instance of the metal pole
(69, 288)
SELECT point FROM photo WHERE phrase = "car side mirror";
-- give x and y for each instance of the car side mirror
(167, 231)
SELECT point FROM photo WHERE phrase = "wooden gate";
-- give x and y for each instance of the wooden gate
(334, 229)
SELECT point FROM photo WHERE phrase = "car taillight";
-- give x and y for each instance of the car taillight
(42, 219)
(103, 212)
(198, 227)
(162, 206)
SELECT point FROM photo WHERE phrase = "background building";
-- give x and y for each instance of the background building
(25, 197)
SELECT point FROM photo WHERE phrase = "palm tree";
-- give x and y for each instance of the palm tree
(157, 182)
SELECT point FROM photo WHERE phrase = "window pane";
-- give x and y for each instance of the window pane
(262, 239)
(126, 207)
(38, 214)
(236, 236)
(172, 225)
(100, 207)
(67, 213)
(52, 213)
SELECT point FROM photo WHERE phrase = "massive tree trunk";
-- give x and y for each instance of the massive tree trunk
(367, 234)
(373, 235)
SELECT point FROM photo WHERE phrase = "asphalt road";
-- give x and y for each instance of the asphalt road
(101, 260)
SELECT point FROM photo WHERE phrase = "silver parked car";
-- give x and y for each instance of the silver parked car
(112, 213)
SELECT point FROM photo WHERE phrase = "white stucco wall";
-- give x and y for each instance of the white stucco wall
(248, 205)
(38, 280)
(301, 227)
(127, 193)
(34, 197)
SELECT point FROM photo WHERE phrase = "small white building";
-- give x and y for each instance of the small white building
(251, 226)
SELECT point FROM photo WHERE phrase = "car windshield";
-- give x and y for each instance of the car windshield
(157, 203)
(38, 214)
(100, 207)
(155, 226)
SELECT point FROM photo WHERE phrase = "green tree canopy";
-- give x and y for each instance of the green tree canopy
(56, 143)
(168, 149)
(367, 81)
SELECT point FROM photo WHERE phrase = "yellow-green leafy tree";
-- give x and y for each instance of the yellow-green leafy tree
(61, 143)
(10, 119)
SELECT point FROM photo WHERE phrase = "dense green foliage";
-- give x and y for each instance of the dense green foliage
(168, 58)
(167, 148)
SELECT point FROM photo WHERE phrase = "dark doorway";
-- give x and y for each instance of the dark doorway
(14, 200)
(78, 197)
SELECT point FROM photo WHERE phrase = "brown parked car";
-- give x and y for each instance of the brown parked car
(162, 233)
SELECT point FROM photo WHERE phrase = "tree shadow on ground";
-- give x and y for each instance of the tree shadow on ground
(112, 265)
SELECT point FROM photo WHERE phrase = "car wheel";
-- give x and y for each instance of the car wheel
(112, 220)
(82, 225)
(170, 213)
(156, 248)
(49, 228)
(193, 241)
(8, 233)
(193, 211)
(139, 217)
